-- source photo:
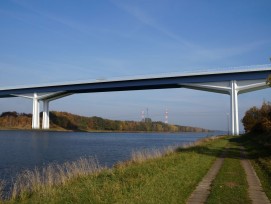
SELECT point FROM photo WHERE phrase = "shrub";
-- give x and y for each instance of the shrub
(258, 119)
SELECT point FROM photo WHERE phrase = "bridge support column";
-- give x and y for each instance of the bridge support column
(45, 119)
(234, 108)
(35, 113)
(46, 98)
(230, 88)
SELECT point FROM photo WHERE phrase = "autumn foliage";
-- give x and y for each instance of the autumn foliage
(15, 120)
(68, 121)
(258, 119)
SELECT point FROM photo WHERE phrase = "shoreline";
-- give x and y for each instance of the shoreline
(137, 158)
(97, 131)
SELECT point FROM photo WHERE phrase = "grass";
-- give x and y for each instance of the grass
(259, 149)
(40, 180)
(167, 179)
(230, 185)
(2, 185)
(146, 154)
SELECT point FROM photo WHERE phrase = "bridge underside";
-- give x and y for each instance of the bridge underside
(230, 83)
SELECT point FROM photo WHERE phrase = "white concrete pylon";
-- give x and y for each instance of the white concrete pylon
(234, 108)
(46, 98)
(45, 120)
(35, 113)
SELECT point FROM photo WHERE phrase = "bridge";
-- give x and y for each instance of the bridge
(230, 81)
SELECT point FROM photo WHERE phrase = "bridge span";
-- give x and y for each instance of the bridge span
(231, 81)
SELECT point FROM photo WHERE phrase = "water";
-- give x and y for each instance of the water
(21, 150)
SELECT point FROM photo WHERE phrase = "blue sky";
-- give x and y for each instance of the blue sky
(62, 40)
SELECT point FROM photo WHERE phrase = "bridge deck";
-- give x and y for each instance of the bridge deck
(162, 81)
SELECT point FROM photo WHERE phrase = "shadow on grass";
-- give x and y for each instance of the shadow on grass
(233, 150)
(257, 145)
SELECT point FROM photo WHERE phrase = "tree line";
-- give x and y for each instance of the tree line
(68, 121)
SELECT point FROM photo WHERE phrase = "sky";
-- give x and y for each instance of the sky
(65, 40)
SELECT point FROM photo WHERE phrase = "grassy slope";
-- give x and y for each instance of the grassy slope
(230, 185)
(169, 179)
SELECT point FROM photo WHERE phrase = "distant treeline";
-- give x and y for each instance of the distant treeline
(68, 121)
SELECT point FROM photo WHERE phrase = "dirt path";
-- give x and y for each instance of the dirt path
(201, 193)
(255, 190)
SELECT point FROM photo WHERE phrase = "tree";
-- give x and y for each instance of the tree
(258, 120)
(251, 118)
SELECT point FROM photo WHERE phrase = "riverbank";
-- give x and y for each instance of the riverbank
(169, 176)
(150, 181)
(96, 131)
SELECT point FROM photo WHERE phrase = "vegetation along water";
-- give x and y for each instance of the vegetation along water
(20, 150)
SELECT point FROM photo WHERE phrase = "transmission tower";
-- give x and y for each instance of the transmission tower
(142, 116)
(166, 116)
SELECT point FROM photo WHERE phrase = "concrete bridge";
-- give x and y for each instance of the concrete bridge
(230, 81)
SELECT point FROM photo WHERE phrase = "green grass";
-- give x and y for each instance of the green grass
(259, 149)
(230, 185)
(170, 179)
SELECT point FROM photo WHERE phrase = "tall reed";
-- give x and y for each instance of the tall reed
(145, 154)
(30, 181)
(42, 179)
(199, 142)
(2, 186)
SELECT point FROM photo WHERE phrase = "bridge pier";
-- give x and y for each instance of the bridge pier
(234, 108)
(47, 98)
(35, 112)
(45, 115)
(232, 88)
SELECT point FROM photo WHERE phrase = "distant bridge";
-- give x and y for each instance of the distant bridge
(231, 81)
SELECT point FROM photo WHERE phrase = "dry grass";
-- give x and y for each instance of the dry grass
(29, 181)
(207, 139)
(146, 154)
(153, 181)
(199, 142)
(2, 186)
(41, 180)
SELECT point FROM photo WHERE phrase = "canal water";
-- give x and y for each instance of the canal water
(20, 150)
